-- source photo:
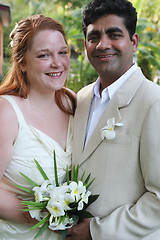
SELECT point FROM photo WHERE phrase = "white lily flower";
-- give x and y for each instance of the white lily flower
(83, 200)
(42, 193)
(60, 194)
(55, 208)
(54, 224)
(108, 131)
(67, 199)
(37, 214)
(62, 226)
(77, 189)
(57, 194)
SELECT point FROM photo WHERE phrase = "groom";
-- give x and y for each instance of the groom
(124, 157)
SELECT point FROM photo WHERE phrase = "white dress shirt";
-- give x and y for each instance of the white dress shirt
(99, 103)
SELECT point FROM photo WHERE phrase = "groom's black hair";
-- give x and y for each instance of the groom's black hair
(122, 8)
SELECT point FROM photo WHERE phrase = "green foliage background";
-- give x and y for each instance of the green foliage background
(69, 14)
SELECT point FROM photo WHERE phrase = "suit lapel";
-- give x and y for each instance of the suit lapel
(128, 90)
(111, 111)
(81, 118)
(121, 99)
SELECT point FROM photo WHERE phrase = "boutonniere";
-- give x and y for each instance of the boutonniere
(108, 131)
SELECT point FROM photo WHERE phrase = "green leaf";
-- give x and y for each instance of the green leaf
(140, 28)
(73, 205)
(90, 184)
(83, 176)
(91, 199)
(75, 218)
(44, 220)
(29, 180)
(67, 176)
(60, 220)
(76, 173)
(67, 217)
(41, 170)
(85, 214)
(55, 170)
(87, 179)
(24, 189)
(31, 209)
(25, 210)
(36, 204)
(45, 226)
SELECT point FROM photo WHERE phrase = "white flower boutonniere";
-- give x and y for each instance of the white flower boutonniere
(108, 131)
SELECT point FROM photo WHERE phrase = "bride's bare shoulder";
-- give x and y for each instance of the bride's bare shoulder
(8, 120)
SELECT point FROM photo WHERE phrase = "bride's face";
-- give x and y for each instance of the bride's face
(47, 61)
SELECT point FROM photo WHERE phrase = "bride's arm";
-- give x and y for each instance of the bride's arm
(10, 205)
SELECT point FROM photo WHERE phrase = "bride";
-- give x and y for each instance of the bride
(36, 119)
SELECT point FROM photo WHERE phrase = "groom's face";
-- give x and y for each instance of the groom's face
(109, 47)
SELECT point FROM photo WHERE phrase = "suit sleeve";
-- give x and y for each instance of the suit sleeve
(133, 222)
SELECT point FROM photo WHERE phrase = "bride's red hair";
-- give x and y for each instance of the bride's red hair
(15, 82)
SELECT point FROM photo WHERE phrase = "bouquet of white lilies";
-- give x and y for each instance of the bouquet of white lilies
(59, 206)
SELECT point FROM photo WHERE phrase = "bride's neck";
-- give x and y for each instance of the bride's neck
(43, 101)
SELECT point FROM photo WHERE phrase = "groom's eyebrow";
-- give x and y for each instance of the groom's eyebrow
(93, 32)
(107, 31)
(113, 29)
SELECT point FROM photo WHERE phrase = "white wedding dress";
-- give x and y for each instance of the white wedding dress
(32, 144)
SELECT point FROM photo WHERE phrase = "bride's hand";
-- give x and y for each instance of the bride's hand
(29, 219)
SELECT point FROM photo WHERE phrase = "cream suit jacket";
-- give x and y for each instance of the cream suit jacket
(127, 168)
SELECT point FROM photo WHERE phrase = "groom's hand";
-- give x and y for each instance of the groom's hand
(80, 231)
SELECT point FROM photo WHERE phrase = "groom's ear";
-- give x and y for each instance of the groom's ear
(135, 39)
